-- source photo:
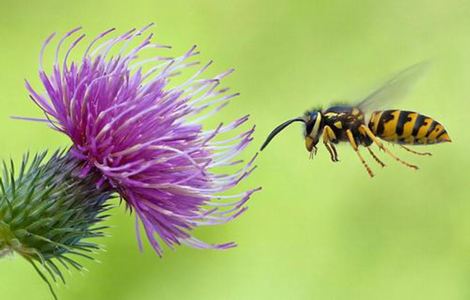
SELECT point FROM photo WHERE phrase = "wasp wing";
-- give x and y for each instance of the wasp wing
(395, 89)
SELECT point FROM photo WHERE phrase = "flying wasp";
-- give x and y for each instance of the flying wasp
(363, 124)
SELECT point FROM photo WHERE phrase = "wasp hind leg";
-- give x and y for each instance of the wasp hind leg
(379, 143)
(376, 158)
(328, 136)
(354, 146)
(416, 152)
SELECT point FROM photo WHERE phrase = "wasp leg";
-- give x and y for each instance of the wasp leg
(328, 135)
(381, 163)
(381, 146)
(327, 146)
(334, 152)
(415, 152)
(354, 145)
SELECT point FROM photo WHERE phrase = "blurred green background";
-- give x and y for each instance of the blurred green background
(318, 230)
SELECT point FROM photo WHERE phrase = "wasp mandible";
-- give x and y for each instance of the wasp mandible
(363, 124)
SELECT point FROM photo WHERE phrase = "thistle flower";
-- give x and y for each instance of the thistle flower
(141, 134)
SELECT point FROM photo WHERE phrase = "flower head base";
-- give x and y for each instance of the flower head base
(142, 133)
(47, 212)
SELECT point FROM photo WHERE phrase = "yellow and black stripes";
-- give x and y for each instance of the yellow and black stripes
(406, 127)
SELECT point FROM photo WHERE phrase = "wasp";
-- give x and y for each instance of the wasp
(367, 123)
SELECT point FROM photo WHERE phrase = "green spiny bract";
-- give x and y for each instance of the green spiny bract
(47, 211)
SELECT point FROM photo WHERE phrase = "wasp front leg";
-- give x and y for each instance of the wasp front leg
(328, 137)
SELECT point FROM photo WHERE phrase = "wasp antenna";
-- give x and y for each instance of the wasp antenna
(279, 129)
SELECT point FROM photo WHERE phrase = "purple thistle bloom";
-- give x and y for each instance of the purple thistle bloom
(142, 133)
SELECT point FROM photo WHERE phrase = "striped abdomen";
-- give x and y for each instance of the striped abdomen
(407, 127)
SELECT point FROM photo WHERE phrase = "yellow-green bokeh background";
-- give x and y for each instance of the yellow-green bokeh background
(318, 230)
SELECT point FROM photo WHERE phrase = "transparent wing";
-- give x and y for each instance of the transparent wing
(395, 89)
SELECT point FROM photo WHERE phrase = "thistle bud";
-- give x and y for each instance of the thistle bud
(47, 212)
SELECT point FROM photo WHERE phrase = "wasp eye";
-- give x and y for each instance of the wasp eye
(309, 127)
(311, 122)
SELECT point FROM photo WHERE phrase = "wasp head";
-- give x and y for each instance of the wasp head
(313, 126)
